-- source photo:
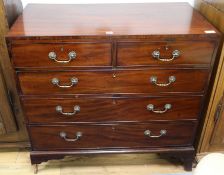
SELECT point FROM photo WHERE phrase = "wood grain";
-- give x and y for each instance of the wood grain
(210, 139)
(42, 110)
(212, 12)
(140, 53)
(6, 114)
(218, 4)
(112, 136)
(11, 116)
(217, 137)
(43, 156)
(122, 19)
(2, 127)
(113, 99)
(87, 54)
(126, 81)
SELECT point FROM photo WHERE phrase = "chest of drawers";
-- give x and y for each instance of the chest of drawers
(113, 78)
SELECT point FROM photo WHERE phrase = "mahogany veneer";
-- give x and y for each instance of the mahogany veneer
(42, 110)
(117, 78)
(88, 54)
(114, 81)
(112, 136)
(132, 54)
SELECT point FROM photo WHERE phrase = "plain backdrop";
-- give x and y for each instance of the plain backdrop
(25, 2)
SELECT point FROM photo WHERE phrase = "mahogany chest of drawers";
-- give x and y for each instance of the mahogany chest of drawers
(116, 78)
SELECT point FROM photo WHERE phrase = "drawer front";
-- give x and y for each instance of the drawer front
(132, 81)
(52, 55)
(60, 110)
(155, 53)
(112, 136)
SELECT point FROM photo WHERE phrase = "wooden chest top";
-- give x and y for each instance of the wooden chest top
(116, 20)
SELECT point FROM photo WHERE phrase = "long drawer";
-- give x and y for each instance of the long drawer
(59, 110)
(163, 53)
(130, 81)
(158, 134)
(62, 55)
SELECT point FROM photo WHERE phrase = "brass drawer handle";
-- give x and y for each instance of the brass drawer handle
(150, 107)
(163, 132)
(64, 136)
(73, 81)
(175, 54)
(76, 109)
(153, 79)
(71, 56)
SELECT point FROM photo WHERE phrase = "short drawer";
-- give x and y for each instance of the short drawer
(131, 81)
(62, 55)
(158, 134)
(156, 53)
(86, 110)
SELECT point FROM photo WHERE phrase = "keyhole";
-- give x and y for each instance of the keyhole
(114, 75)
(62, 49)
